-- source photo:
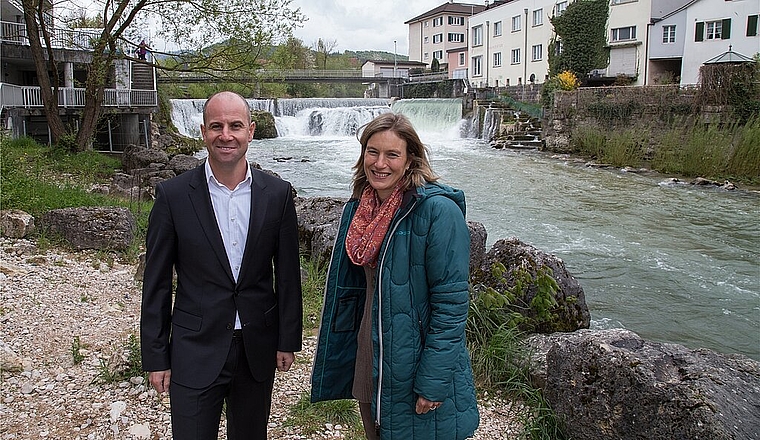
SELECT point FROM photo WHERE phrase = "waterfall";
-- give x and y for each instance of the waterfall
(335, 117)
(432, 115)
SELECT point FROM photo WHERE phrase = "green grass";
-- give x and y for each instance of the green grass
(36, 179)
(313, 288)
(312, 417)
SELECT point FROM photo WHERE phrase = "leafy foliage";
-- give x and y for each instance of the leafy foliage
(581, 34)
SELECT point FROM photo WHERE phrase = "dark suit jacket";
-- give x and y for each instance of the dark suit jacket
(192, 336)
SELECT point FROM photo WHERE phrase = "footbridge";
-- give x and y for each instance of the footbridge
(277, 76)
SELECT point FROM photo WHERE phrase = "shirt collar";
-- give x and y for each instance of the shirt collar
(211, 179)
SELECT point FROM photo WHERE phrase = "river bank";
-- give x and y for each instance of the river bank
(58, 306)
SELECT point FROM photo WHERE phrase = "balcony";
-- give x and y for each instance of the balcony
(77, 39)
(30, 97)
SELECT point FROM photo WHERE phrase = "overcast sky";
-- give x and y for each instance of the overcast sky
(361, 25)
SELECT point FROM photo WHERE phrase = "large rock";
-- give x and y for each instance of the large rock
(99, 227)
(179, 163)
(265, 125)
(15, 223)
(611, 384)
(318, 219)
(478, 237)
(136, 157)
(570, 312)
(9, 361)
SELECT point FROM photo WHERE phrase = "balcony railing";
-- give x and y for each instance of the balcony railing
(30, 97)
(81, 39)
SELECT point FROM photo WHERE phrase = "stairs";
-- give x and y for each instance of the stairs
(143, 77)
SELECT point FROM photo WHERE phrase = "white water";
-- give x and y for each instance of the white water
(674, 263)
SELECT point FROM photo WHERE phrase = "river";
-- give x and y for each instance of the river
(672, 262)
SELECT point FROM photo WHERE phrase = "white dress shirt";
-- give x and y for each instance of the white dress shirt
(232, 209)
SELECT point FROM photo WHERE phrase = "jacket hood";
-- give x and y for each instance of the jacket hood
(432, 189)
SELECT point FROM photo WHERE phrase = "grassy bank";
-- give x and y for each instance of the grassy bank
(730, 152)
(36, 179)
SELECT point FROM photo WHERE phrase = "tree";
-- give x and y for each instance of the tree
(581, 34)
(292, 55)
(238, 30)
(323, 49)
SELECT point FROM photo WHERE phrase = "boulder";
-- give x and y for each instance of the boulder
(15, 223)
(101, 227)
(135, 157)
(318, 219)
(570, 311)
(478, 237)
(180, 163)
(611, 384)
(265, 125)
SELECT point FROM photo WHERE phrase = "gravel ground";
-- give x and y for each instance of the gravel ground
(52, 299)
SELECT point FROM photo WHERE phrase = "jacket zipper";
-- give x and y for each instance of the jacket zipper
(378, 281)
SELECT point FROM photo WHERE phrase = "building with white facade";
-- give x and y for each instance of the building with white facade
(684, 38)
(434, 33)
(509, 42)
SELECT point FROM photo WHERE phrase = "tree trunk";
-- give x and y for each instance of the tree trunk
(94, 93)
(48, 91)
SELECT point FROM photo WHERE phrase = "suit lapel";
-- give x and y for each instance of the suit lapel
(259, 199)
(201, 201)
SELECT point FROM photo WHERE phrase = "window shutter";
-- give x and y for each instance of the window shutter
(752, 25)
(726, 29)
(699, 31)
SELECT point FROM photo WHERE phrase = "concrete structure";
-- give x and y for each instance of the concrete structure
(509, 42)
(389, 69)
(130, 98)
(435, 32)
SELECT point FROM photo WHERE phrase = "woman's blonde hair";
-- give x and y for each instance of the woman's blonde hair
(419, 171)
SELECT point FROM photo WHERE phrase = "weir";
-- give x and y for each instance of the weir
(338, 117)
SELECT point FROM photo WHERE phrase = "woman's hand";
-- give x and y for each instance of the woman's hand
(424, 405)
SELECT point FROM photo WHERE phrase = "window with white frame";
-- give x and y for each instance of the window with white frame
(456, 21)
(477, 36)
(497, 28)
(516, 23)
(714, 30)
(538, 17)
(560, 8)
(752, 28)
(437, 38)
(669, 34)
(461, 58)
(477, 65)
(456, 37)
(537, 52)
(623, 34)
(497, 59)
(438, 55)
(620, 2)
(438, 21)
(515, 56)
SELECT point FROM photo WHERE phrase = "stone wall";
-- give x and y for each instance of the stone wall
(650, 109)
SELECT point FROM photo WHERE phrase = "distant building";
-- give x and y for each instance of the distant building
(435, 32)
(389, 69)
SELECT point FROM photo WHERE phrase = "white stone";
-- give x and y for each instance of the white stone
(117, 408)
(140, 431)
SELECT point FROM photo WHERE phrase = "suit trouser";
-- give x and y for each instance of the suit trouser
(196, 413)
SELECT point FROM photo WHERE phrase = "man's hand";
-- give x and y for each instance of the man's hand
(285, 360)
(160, 380)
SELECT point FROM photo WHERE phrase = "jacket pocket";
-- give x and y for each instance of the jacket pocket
(186, 320)
(346, 315)
(271, 316)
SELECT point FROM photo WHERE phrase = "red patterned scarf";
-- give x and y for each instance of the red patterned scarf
(370, 224)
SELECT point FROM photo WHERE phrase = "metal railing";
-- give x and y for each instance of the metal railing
(29, 97)
(81, 39)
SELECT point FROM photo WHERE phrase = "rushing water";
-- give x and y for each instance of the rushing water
(671, 262)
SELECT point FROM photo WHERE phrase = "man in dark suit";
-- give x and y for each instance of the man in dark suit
(230, 233)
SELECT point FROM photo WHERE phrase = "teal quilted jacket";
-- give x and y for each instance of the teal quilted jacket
(419, 316)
